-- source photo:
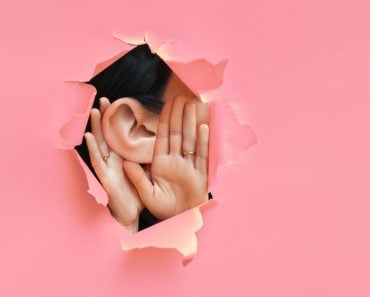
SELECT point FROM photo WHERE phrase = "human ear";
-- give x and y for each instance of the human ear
(129, 129)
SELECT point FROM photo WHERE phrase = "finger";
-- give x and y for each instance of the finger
(189, 130)
(177, 112)
(115, 162)
(162, 141)
(140, 180)
(202, 149)
(96, 159)
(104, 103)
(97, 131)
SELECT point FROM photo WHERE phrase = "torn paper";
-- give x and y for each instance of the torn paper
(202, 77)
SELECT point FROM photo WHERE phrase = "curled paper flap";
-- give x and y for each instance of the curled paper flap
(200, 75)
(80, 100)
(229, 137)
(168, 231)
(94, 188)
(101, 66)
(155, 43)
(177, 232)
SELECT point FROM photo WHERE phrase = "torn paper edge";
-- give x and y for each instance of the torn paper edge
(184, 241)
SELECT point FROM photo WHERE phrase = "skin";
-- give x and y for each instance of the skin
(175, 181)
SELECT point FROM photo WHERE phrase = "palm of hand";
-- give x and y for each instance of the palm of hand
(178, 174)
(177, 184)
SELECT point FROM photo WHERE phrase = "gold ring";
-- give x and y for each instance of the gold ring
(188, 153)
(105, 158)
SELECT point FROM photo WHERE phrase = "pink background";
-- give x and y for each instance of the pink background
(293, 212)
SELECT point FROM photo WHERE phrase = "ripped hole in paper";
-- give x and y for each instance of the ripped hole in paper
(147, 144)
(149, 140)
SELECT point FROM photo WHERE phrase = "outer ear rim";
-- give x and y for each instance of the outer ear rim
(134, 151)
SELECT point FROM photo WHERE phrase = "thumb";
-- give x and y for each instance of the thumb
(140, 180)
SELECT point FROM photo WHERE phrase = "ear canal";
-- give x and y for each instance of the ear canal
(140, 131)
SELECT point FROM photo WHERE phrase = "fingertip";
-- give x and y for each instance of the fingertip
(94, 111)
(88, 136)
(203, 134)
(178, 100)
(204, 128)
(190, 106)
(104, 100)
(88, 140)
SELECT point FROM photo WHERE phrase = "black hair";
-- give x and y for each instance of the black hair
(139, 74)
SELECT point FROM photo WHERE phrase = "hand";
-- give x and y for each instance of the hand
(179, 175)
(124, 201)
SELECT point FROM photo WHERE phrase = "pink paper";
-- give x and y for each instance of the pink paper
(293, 211)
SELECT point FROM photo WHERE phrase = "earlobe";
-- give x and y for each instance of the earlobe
(129, 129)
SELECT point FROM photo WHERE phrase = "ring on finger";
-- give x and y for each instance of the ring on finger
(106, 157)
(186, 153)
